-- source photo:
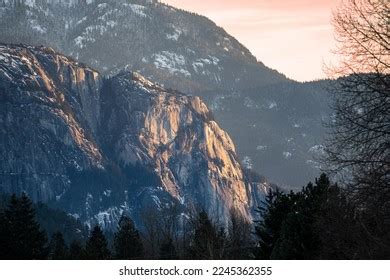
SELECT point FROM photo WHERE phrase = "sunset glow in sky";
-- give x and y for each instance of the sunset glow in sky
(293, 36)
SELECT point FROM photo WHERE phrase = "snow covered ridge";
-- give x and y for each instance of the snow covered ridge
(96, 147)
(137, 9)
(71, 3)
(121, 27)
(32, 3)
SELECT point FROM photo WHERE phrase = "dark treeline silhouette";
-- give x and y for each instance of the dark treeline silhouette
(199, 237)
(319, 222)
(20, 234)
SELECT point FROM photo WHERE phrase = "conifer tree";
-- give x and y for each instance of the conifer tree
(168, 250)
(292, 224)
(21, 235)
(128, 244)
(4, 248)
(96, 247)
(58, 248)
(76, 251)
(208, 241)
(273, 212)
(239, 237)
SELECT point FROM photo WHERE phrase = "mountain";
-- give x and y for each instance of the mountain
(98, 146)
(278, 129)
(181, 50)
(265, 113)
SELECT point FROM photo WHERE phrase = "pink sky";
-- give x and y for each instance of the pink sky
(293, 36)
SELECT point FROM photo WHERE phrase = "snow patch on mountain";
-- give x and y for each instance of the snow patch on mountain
(261, 147)
(108, 218)
(272, 105)
(34, 25)
(200, 64)
(247, 162)
(287, 155)
(174, 63)
(102, 6)
(317, 149)
(137, 9)
(175, 35)
(90, 32)
(250, 103)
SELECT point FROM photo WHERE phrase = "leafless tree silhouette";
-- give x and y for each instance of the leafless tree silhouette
(359, 139)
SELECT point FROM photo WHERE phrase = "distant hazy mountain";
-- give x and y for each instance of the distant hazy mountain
(270, 117)
(97, 147)
(278, 129)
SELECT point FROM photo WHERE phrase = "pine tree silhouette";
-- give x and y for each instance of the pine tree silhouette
(168, 250)
(4, 245)
(96, 247)
(291, 226)
(128, 244)
(76, 251)
(21, 236)
(208, 241)
(58, 248)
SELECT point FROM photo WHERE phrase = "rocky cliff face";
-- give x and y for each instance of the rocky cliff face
(271, 118)
(98, 146)
(49, 109)
(177, 136)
